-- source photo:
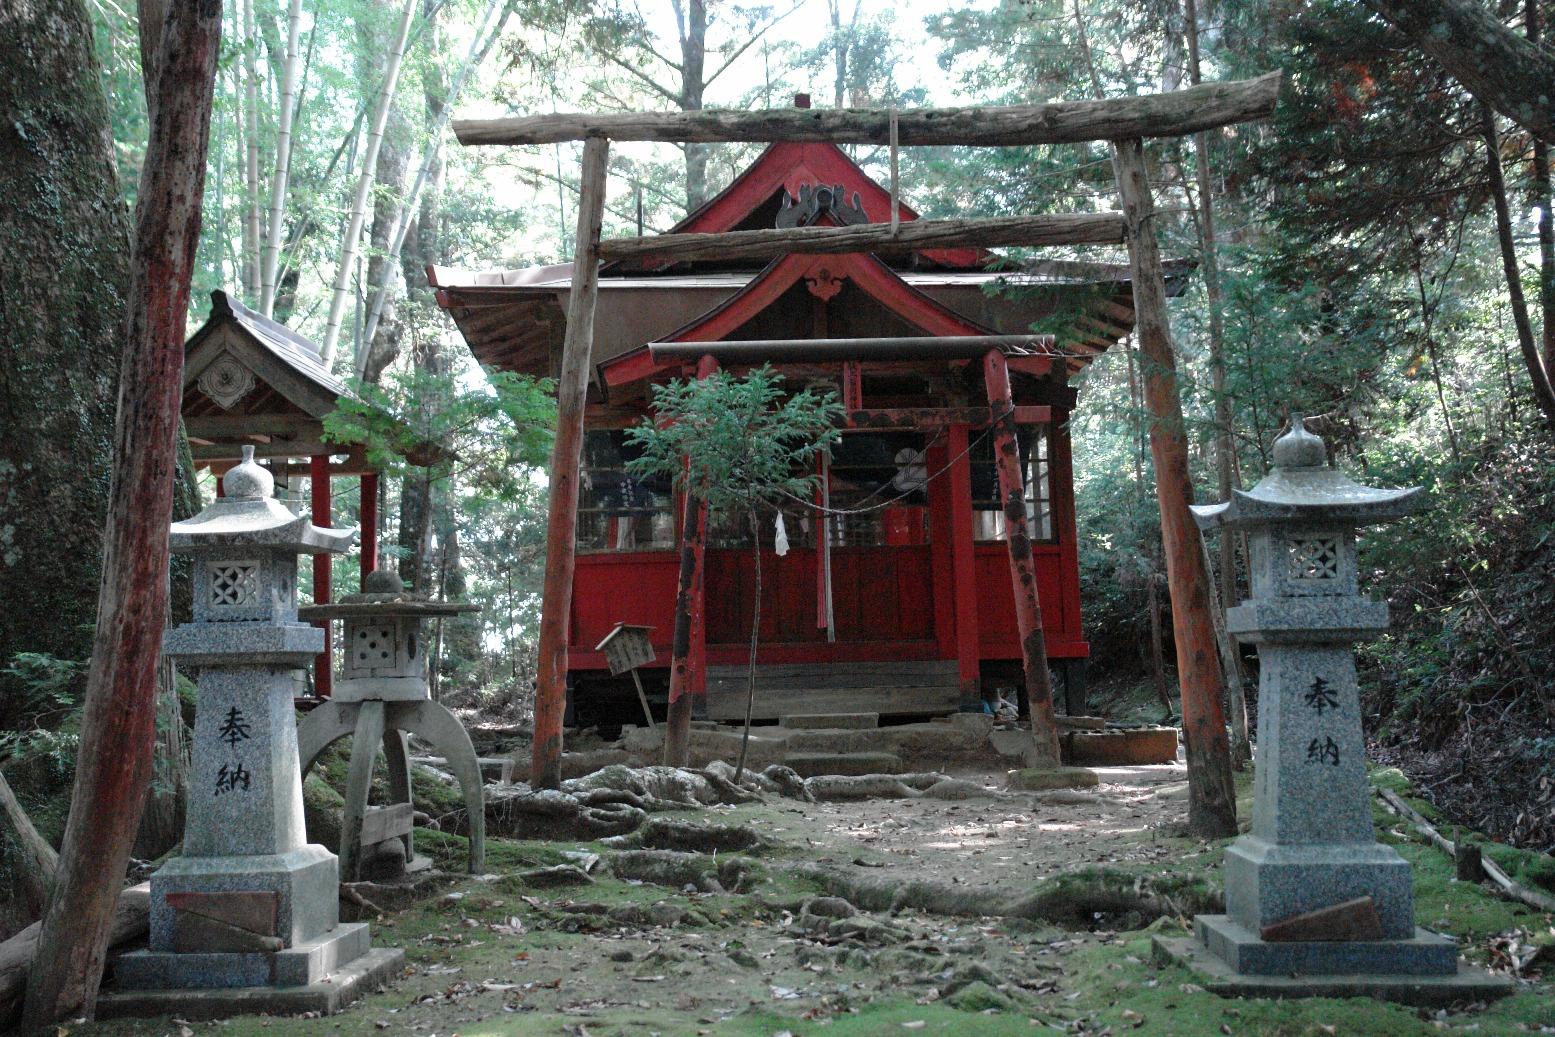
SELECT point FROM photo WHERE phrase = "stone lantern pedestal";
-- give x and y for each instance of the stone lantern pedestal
(1315, 906)
(381, 697)
(246, 918)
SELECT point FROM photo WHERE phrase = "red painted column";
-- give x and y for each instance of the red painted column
(963, 561)
(369, 514)
(941, 564)
(323, 665)
(221, 489)
(688, 652)
(1023, 573)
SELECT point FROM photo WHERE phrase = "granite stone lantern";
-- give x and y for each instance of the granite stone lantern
(248, 903)
(381, 697)
(1314, 904)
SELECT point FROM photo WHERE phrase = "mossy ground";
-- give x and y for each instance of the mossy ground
(490, 958)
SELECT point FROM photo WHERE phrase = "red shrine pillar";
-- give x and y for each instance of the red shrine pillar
(1023, 573)
(963, 562)
(323, 665)
(368, 508)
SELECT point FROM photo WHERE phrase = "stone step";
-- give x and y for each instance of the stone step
(831, 720)
(808, 765)
(1125, 748)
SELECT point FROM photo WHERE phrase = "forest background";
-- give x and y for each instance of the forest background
(1355, 273)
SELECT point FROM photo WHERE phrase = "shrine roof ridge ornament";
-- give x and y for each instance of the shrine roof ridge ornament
(249, 513)
(1302, 487)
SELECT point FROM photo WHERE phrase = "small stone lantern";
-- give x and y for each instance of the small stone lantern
(1310, 893)
(248, 902)
(381, 696)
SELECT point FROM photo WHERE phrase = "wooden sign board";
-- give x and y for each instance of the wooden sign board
(626, 648)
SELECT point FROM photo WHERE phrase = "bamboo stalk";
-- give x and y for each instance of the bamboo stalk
(916, 235)
(401, 225)
(1150, 115)
(364, 185)
(283, 163)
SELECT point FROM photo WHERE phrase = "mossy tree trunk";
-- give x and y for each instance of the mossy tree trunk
(65, 238)
(114, 760)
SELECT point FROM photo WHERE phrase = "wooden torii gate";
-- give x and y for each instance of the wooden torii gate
(1123, 122)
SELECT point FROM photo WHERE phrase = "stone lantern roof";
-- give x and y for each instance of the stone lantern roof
(384, 594)
(249, 515)
(1303, 488)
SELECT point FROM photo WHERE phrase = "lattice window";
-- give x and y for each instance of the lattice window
(1316, 558)
(234, 584)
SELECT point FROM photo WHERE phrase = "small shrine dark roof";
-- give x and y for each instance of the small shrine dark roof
(250, 380)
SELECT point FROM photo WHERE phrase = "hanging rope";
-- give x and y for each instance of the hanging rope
(901, 496)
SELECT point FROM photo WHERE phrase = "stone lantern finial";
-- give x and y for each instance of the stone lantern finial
(1298, 448)
(247, 480)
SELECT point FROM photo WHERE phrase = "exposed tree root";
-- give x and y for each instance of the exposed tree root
(1074, 900)
(678, 870)
(660, 833)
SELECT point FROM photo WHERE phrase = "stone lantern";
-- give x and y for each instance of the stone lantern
(1314, 904)
(248, 902)
(382, 696)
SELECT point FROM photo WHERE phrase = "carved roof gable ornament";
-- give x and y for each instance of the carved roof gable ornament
(226, 381)
(816, 201)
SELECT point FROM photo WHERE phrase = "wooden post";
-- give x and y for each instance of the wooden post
(963, 560)
(688, 651)
(1023, 573)
(323, 664)
(1211, 795)
(368, 509)
(561, 521)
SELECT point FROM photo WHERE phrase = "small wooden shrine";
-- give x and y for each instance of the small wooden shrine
(250, 381)
(893, 592)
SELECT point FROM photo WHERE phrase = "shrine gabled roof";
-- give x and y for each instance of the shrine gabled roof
(286, 363)
(751, 201)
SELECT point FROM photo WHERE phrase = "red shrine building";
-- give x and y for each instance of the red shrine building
(897, 597)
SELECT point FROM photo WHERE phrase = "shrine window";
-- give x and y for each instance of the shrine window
(617, 510)
(876, 483)
(987, 501)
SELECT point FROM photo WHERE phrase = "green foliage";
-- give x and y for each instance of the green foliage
(736, 443)
(45, 721)
(481, 432)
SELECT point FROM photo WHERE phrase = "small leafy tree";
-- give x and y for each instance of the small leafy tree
(737, 445)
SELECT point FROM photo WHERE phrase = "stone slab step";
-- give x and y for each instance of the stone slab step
(808, 765)
(831, 720)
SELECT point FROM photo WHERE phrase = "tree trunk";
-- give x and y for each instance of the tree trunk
(1211, 794)
(40, 861)
(65, 238)
(381, 338)
(677, 722)
(1157, 652)
(1504, 70)
(693, 63)
(1241, 746)
(566, 452)
(1538, 377)
(114, 757)
(1540, 187)
(351, 241)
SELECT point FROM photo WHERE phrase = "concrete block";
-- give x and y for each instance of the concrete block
(1422, 954)
(1120, 748)
(368, 972)
(1464, 985)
